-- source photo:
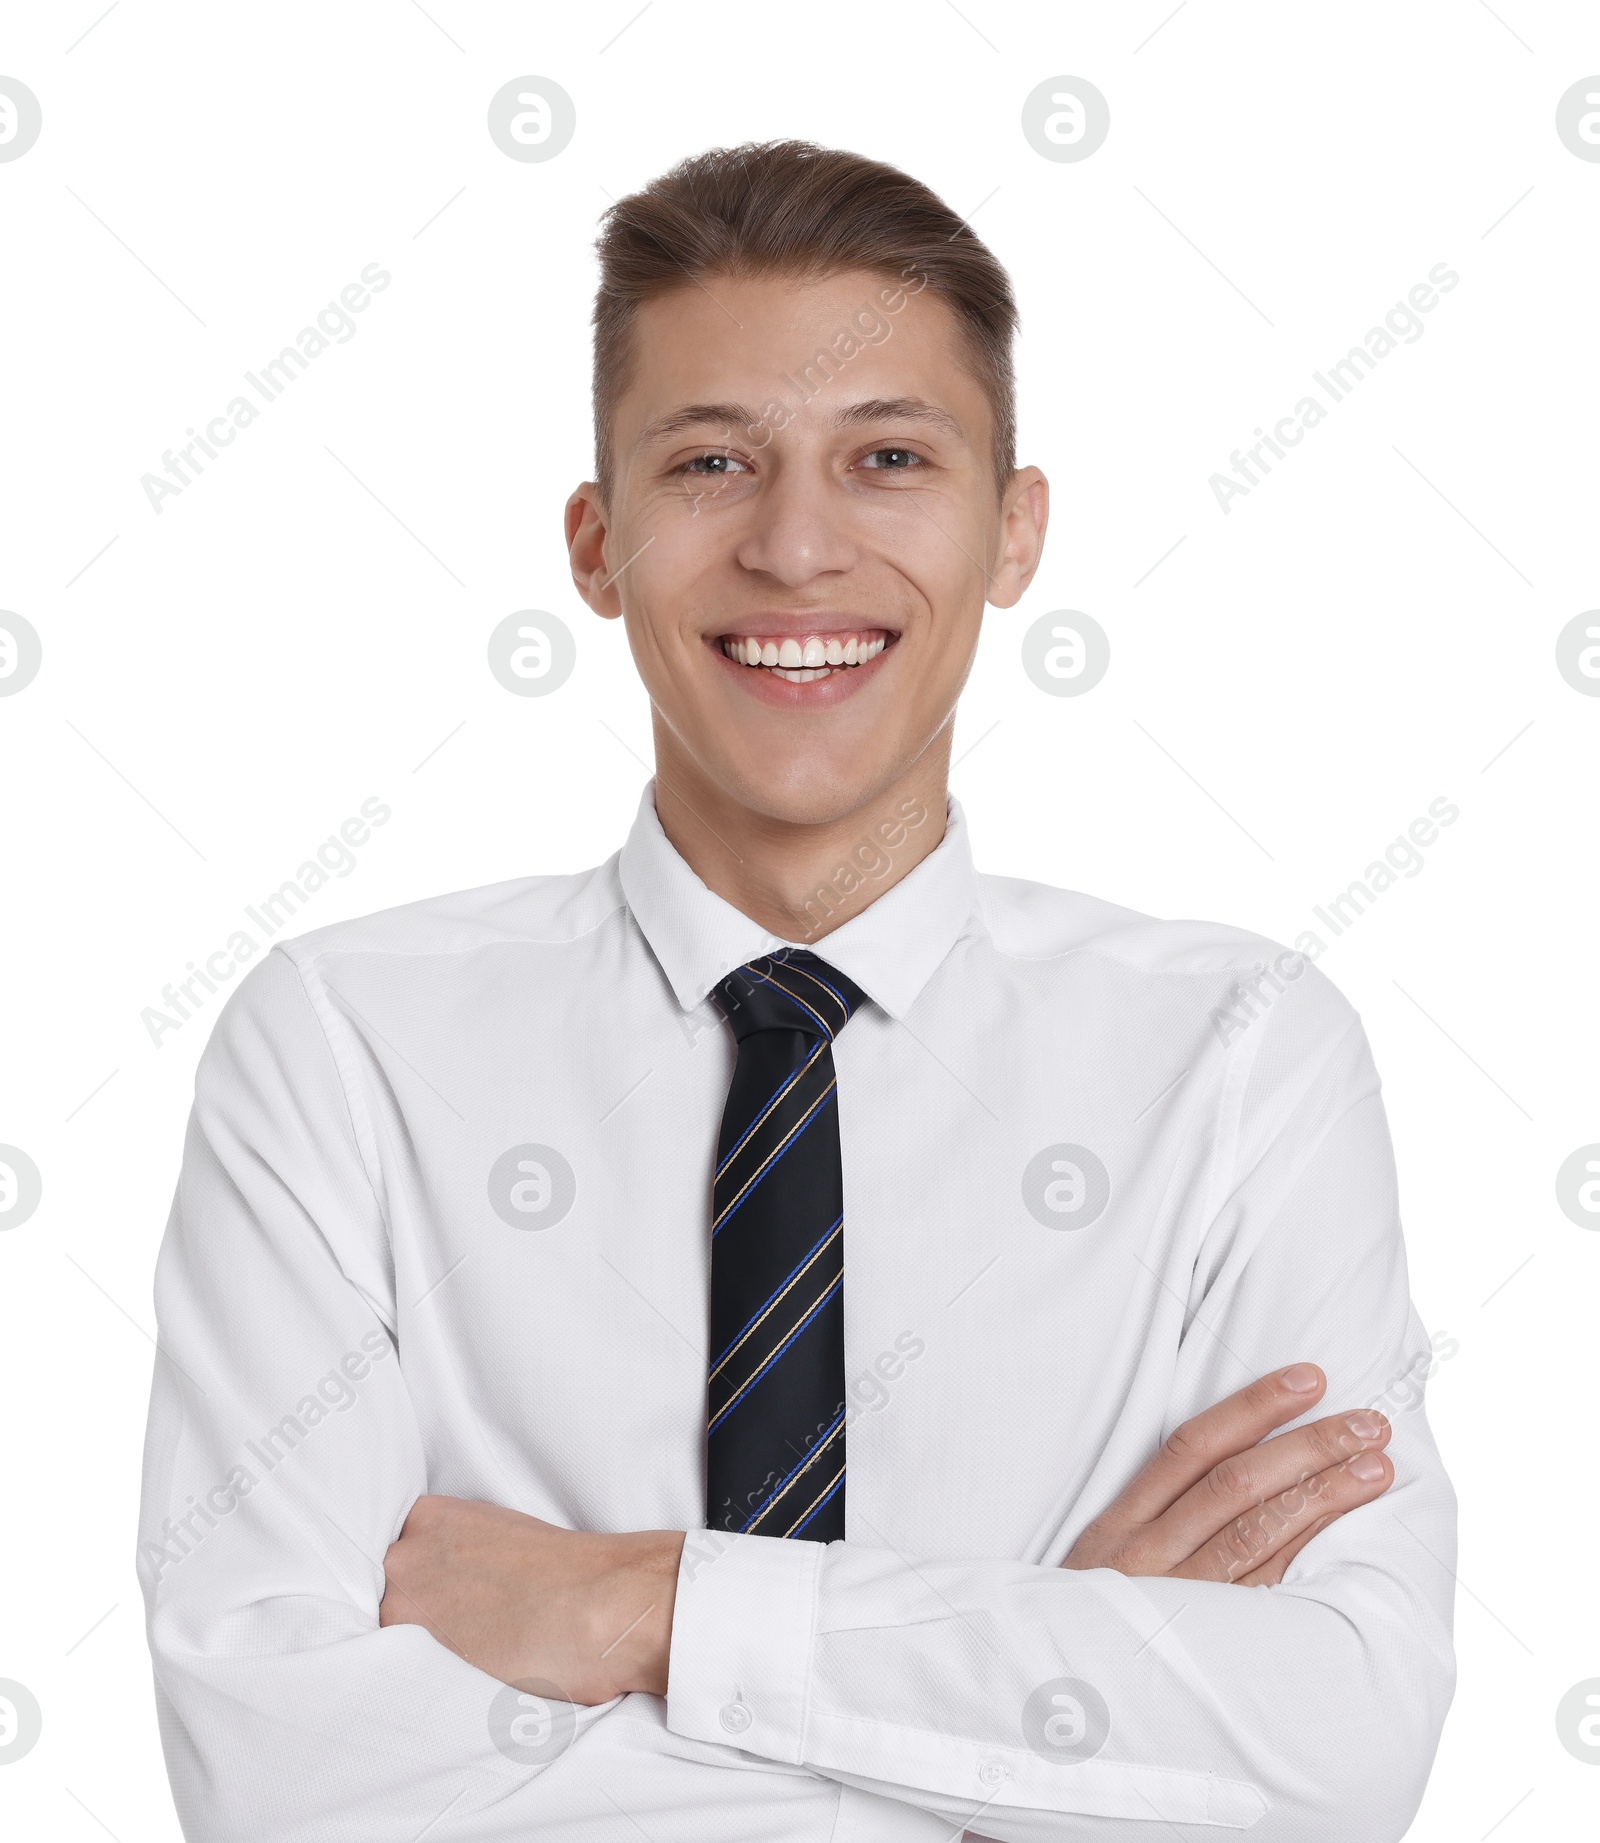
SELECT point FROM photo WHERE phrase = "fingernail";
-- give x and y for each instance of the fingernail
(1368, 1467)
(1364, 1424)
(1301, 1377)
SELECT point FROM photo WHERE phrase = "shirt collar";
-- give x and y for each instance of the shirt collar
(890, 949)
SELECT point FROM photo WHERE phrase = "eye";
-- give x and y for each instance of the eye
(711, 466)
(892, 460)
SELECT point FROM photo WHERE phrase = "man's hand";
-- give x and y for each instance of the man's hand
(592, 1614)
(1214, 1505)
(526, 1600)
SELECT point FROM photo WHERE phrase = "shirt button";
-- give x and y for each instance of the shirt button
(735, 1717)
(993, 1771)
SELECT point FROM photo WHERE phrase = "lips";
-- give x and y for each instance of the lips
(792, 666)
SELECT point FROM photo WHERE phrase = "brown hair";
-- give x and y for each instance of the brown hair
(794, 208)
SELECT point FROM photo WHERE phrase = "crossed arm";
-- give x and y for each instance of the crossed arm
(314, 1680)
(525, 1600)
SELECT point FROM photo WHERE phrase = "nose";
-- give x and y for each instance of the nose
(799, 528)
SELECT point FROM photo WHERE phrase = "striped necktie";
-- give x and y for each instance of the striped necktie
(775, 1407)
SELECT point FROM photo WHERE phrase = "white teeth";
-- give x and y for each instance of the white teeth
(802, 663)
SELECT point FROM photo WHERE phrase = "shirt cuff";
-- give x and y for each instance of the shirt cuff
(740, 1658)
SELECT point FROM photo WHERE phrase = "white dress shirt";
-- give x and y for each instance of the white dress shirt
(442, 1226)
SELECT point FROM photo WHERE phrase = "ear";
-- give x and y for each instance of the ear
(587, 530)
(1023, 520)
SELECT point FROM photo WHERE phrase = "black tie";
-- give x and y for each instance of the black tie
(775, 1406)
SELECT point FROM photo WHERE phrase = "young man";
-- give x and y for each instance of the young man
(783, 1335)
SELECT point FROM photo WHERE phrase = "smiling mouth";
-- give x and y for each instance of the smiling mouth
(801, 658)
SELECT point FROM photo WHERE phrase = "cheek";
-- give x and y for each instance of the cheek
(936, 541)
(668, 579)
(941, 595)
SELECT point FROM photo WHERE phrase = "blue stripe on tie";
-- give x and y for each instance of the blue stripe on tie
(764, 1110)
(821, 1504)
(778, 1490)
(734, 1401)
(756, 1183)
(788, 1281)
(806, 973)
(794, 998)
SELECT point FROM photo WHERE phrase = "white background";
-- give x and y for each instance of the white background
(1373, 627)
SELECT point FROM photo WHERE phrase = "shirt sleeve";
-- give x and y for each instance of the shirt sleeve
(1030, 1702)
(281, 1458)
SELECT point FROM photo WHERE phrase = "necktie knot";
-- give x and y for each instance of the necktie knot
(792, 989)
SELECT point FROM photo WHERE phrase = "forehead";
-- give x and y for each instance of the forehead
(759, 339)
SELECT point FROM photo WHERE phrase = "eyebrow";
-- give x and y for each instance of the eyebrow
(729, 416)
(697, 416)
(899, 409)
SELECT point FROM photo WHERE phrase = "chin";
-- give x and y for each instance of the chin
(805, 790)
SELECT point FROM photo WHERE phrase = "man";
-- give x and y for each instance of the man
(781, 1335)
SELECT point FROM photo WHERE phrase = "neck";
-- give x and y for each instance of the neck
(800, 881)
